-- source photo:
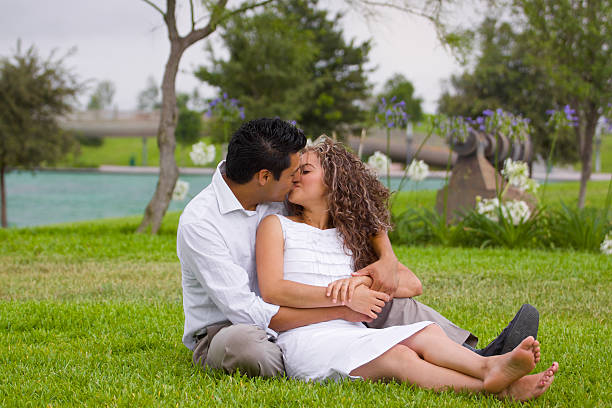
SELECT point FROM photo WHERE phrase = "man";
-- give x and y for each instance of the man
(227, 324)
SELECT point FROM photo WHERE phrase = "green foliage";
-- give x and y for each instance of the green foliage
(291, 60)
(402, 89)
(504, 233)
(505, 77)
(34, 92)
(189, 124)
(578, 228)
(102, 97)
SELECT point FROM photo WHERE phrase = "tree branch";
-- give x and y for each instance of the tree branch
(150, 3)
(433, 17)
(245, 8)
(170, 19)
(192, 17)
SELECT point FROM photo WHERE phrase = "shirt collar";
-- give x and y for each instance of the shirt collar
(225, 196)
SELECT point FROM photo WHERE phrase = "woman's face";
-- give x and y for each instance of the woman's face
(309, 189)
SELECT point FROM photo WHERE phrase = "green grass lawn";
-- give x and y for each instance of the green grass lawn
(118, 151)
(91, 314)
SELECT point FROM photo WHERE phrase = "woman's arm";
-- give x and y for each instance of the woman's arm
(343, 289)
(269, 249)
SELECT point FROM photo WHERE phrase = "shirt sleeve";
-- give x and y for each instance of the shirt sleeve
(204, 253)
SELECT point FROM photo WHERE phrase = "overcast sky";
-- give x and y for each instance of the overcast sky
(125, 41)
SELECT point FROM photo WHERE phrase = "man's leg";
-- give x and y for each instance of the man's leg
(240, 347)
(402, 311)
(407, 311)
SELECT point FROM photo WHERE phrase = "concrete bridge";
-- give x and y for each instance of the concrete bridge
(132, 124)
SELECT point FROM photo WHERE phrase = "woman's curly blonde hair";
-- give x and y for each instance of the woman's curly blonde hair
(358, 202)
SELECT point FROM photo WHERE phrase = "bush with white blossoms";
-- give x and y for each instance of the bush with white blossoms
(418, 170)
(606, 245)
(379, 162)
(202, 154)
(517, 174)
(515, 210)
(181, 189)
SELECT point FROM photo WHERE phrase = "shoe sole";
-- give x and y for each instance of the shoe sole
(525, 325)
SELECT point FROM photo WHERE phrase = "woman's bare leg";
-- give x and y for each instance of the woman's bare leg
(400, 363)
(403, 364)
(497, 372)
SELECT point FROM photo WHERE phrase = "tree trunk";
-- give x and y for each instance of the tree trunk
(3, 188)
(168, 171)
(586, 152)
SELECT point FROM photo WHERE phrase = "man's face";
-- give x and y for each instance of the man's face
(277, 190)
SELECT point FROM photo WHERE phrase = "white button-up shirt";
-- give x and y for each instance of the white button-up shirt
(216, 248)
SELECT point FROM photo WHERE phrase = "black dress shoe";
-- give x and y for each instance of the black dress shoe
(524, 324)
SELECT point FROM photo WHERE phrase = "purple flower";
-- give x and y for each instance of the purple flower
(499, 111)
(550, 112)
(224, 95)
(390, 124)
(488, 112)
(392, 99)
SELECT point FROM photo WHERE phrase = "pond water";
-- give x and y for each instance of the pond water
(52, 197)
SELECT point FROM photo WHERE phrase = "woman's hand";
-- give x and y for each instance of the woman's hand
(346, 287)
(367, 301)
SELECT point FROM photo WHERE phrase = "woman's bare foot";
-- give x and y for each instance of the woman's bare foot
(505, 369)
(530, 386)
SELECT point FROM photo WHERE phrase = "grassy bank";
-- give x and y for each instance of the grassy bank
(91, 314)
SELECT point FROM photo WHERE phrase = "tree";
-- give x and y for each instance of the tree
(102, 97)
(503, 76)
(216, 13)
(402, 89)
(572, 40)
(34, 92)
(291, 61)
(148, 98)
(166, 142)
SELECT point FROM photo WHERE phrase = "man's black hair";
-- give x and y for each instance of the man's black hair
(262, 144)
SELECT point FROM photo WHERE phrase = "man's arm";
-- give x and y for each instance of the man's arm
(384, 272)
(289, 318)
(409, 285)
(205, 256)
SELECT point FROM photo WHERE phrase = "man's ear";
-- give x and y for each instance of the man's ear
(263, 176)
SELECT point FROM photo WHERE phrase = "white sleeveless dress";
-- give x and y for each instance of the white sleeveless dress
(328, 350)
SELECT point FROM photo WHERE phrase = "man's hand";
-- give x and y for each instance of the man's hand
(367, 301)
(384, 273)
(344, 288)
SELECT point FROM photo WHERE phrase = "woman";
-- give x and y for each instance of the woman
(337, 205)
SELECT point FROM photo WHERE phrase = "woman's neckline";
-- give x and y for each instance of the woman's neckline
(308, 225)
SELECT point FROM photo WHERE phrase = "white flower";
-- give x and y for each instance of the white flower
(517, 174)
(518, 211)
(515, 211)
(201, 153)
(488, 207)
(418, 170)
(379, 162)
(180, 190)
(606, 245)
